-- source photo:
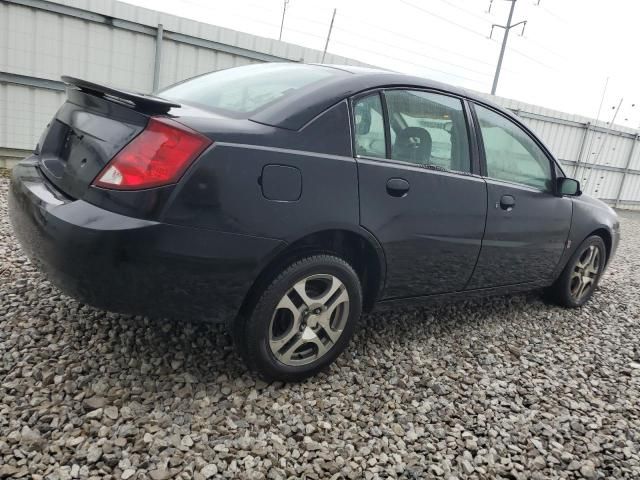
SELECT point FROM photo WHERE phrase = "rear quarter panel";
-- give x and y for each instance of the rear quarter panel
(223, 189)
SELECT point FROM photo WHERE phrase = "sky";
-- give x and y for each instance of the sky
(570, 50)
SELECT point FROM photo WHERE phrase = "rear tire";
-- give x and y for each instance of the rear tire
(302, 321)
(580, 277)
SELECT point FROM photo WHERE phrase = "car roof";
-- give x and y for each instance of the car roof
(296, 110)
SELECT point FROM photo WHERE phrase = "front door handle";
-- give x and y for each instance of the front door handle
(507, 202)
(397, 187)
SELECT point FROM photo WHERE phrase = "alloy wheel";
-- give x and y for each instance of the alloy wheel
(585, 272)
(309, 319)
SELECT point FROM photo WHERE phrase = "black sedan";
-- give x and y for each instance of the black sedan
(285, 199)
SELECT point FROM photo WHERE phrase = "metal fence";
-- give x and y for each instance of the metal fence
(139, 49)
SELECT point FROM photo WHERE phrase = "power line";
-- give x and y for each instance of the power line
(206, 5)
(545, 48)
(414, 39)
(242, 15)
(604, 92)
(305, 19)
(308, 34)
(398, 34)
(474, 31)
(325, 10)
(252, 5)
(444, 19)
(291, 13)
(378, 53)
(396, 46)
(377, 27)
(535, 60)
(550, 13)
(415, 52)
(602, 144)
(453, 5)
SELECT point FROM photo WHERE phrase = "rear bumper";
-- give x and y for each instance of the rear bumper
(129, 265)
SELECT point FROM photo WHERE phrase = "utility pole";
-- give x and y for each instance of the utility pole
(506, 28)
(284, 11)
(326, 45)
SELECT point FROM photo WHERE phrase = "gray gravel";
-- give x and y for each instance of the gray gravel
(500, 388)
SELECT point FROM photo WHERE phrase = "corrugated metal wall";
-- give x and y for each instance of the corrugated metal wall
(24, 112)
(112, 42)
(109, 42)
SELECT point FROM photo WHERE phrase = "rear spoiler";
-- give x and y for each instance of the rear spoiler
(137, 101)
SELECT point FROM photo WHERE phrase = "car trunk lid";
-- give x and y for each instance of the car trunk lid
(90, 128)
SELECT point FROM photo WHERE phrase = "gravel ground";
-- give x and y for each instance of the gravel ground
(500, 388)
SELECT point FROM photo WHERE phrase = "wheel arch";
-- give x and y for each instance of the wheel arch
(606, 237)
(359, 248)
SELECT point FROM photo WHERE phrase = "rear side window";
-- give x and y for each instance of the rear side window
(369, 126)
(244, 90)
(428, 129)
(511, 154)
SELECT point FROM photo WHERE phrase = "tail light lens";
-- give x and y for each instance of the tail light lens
(157, 156)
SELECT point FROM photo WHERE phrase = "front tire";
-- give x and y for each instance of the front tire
(580, 277)
(302, 321)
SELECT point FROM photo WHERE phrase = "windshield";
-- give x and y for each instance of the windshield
(244, 90)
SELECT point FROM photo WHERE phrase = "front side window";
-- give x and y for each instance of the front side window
(369, 126)
(511, 153)
(428, 129)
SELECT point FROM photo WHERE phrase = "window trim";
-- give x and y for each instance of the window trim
(538, 143)
(474, 150)
(386, 124)
(352, 122)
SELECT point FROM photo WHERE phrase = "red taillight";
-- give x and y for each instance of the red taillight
(158, 156)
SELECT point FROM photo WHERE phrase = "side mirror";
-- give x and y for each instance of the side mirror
(568, 186)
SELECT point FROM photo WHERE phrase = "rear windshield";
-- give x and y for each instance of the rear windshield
(244, 90)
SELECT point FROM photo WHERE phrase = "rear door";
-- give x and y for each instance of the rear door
(418, 192)
(527, 224)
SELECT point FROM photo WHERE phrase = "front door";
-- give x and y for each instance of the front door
(417, 193)
(527, 225)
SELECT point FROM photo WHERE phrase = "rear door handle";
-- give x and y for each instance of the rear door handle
(507, 202)
(397, 187)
